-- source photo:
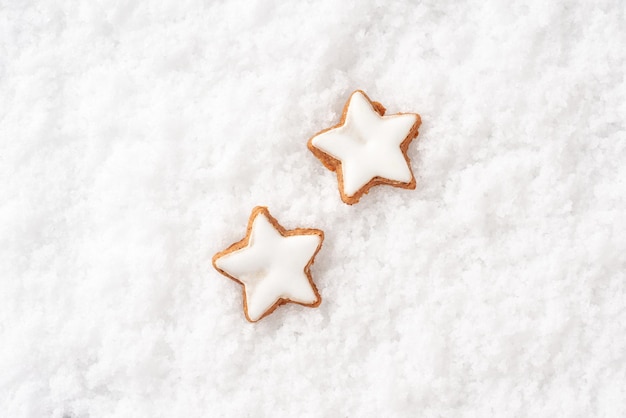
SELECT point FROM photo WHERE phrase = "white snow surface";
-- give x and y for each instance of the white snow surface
(136, 137)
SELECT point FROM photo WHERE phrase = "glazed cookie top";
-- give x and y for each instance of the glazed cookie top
(272, 264)
(367, 148)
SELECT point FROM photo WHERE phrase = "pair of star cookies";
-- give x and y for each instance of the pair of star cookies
(365, 149)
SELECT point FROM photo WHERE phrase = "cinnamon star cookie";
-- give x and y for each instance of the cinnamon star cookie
(272, 264)
(367, 148)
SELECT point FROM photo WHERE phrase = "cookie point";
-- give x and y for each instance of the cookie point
(250, 320)
(214, 261)
(260, 209)
(418, 120)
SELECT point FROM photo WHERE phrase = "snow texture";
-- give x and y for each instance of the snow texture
(136, 137)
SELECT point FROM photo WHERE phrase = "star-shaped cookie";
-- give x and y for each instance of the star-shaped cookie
(367, 148)
(272, 264)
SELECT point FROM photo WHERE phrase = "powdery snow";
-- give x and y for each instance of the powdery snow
(135, 139)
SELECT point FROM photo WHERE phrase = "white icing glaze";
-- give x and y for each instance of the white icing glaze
(271, 267)
(368, 145)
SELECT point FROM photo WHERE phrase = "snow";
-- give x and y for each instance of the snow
(135, 139)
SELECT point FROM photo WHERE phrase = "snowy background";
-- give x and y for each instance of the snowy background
(135, 139)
